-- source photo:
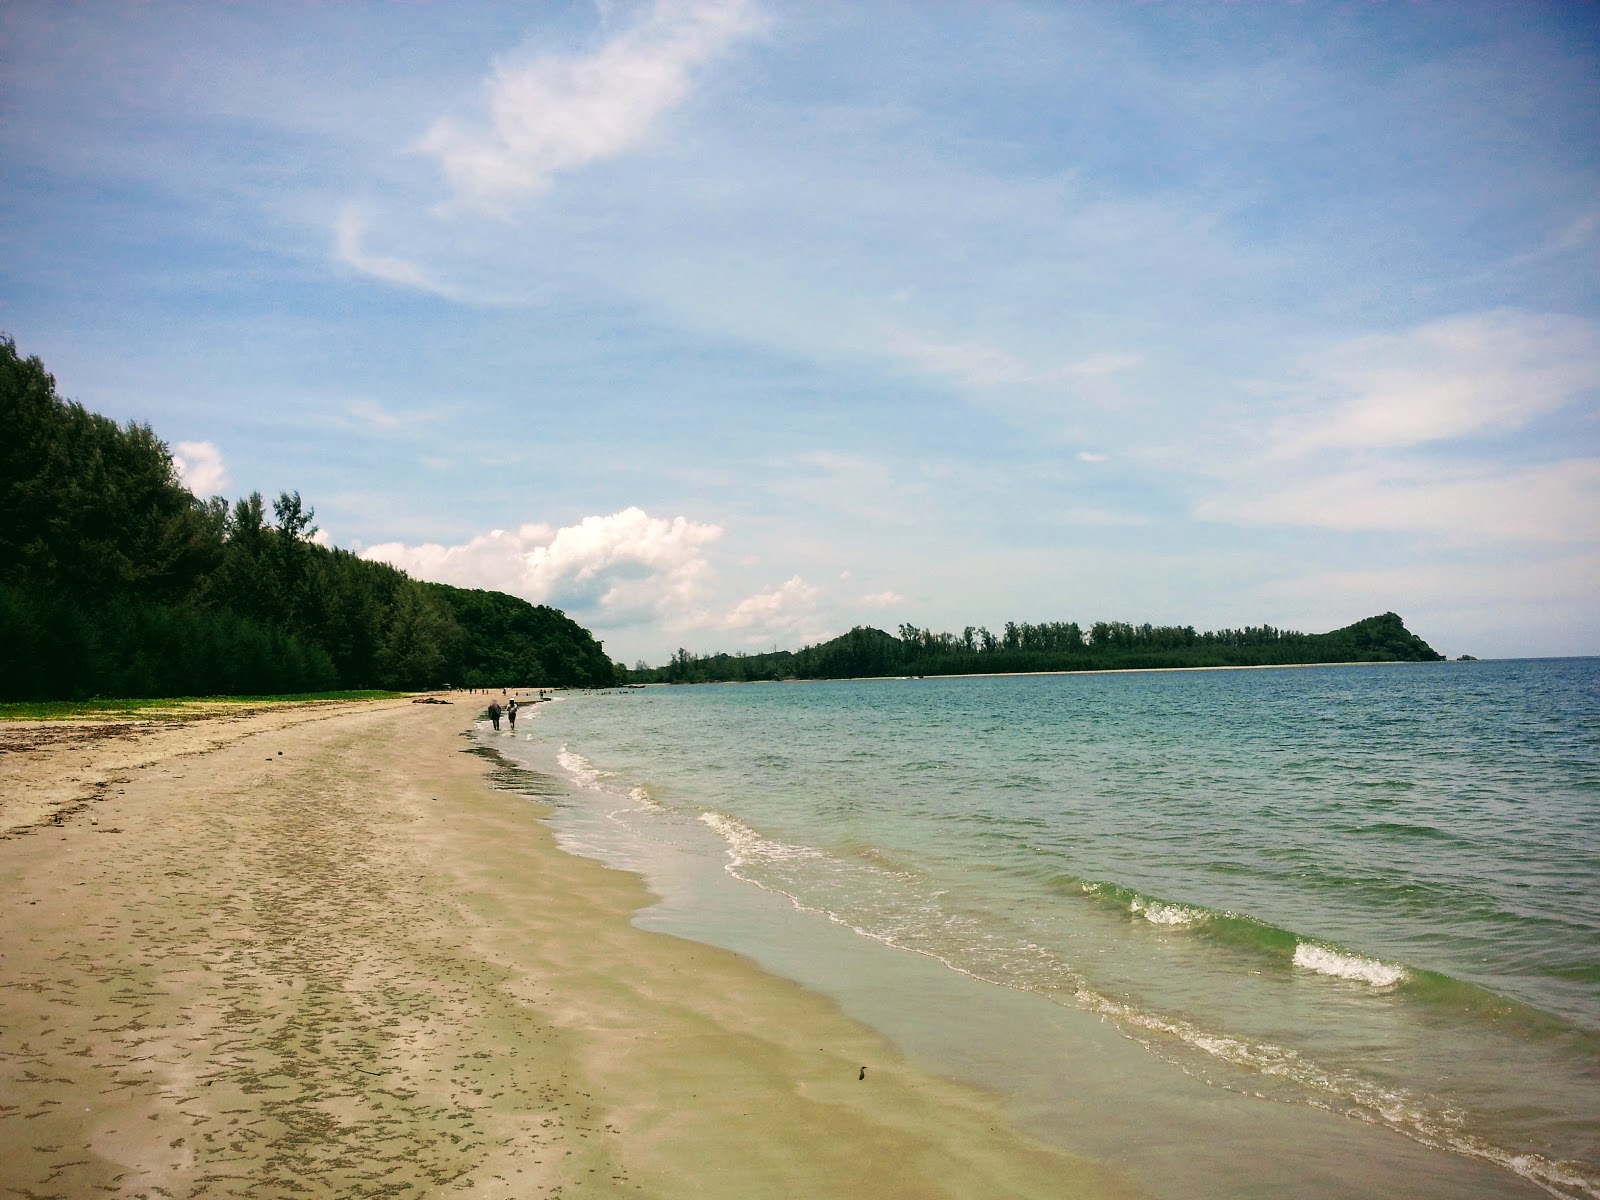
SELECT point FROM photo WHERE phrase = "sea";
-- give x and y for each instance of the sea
(1324, 931)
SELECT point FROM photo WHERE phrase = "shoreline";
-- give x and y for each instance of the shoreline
(317, 949)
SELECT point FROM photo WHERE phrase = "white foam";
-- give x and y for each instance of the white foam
(580, 768)
(1325, 961)
(745, 845)
(1158, 913)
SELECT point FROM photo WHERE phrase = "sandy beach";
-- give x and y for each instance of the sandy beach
(308, 950)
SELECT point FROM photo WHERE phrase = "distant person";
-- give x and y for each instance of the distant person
(511, 713)
(494, 714)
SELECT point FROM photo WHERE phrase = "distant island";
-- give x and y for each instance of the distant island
(116, 581)
(1019, 648)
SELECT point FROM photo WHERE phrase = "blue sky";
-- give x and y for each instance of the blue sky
(725, 324)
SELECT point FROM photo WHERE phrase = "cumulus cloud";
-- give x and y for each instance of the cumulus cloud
(785, 606)
(620, 569)
(556, 113)
(1475, 374)
(786, 613)
(200, 468)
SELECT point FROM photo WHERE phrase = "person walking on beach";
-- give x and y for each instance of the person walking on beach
(494, 714)
(511, 713)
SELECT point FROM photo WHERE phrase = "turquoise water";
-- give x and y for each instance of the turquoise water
(1368, 891)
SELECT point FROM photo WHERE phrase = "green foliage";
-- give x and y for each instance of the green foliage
(1053, 646)
(507, 642)
(114, 580)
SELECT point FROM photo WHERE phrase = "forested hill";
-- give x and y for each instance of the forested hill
(1052, 646)
(116, 581)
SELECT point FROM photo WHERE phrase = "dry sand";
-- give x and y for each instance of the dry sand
(308, 951)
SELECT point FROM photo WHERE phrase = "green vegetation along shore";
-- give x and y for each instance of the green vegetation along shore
(116, 581)
(865, 652)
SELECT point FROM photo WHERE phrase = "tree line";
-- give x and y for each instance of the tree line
(116, 581)
(865, 652)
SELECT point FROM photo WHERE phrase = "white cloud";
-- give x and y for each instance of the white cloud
(619, 569)
(1104, 364)
(1356, 454)
(785, 608)
(970, 363)
(351, 231)
(883, 599)
(1090, 456)
(554, 113)
(374, 416)
(1474, 374)
(982, 366)
(1100, 517)
(1552, 502)
(200, 468)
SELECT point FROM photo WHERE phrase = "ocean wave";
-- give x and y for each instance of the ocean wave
(746, 846)
(1342, 1091)
(1282, 945)
(1402, 829)
(1324, 960)
(908, 917)
(1158, 913)
(583, 772)
(1026, 966)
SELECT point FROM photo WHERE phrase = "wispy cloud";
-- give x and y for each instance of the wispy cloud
(983, 366)
(350, 235)
(555, 113)
(1100, 518)
(1404, 434)
(1475, 374)
(372, 415)
(1552, 502)
(882, 600)
(200, 468)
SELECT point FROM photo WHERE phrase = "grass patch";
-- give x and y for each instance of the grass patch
(60, 710)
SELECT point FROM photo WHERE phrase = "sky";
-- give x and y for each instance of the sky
(729, 325)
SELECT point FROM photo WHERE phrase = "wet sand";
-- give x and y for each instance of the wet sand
(309, 951)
